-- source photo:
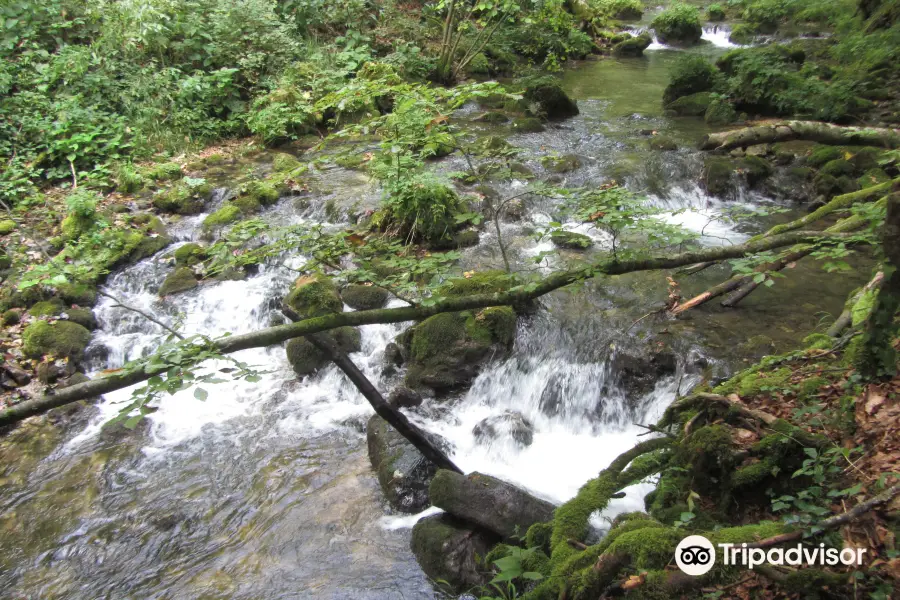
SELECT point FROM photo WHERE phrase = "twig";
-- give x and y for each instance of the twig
(138, 311)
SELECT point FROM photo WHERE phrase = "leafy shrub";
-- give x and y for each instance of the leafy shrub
(679, 23)
(690, 75)
(715, 12)
(550, 31)
(422, 208)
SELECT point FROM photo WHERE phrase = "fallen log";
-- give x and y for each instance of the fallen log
(490, 503)
(813, 131)
(846, 317)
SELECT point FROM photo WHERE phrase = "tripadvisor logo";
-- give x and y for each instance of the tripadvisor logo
(695, 555)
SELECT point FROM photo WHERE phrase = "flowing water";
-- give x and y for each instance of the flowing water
(264, 490)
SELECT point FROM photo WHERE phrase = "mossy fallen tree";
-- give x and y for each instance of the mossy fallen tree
(519, 295)
(813, 131)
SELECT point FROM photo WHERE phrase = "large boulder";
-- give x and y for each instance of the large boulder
(364, 297)
(489, 502)
(306, 358)
(63, 339)
(403, 472)
(179, 280)
(451, 550)
(552, 101)
(637, 373)
(448, 350)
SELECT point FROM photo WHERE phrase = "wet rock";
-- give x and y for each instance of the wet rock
(561, 164)
(449, 549)
(514, 210)
(364, 297)
(460, 239)
(637, 374)
(491, 116)
(488, 502)
(403, 397)
(306, 359)
(180, 280)
(510, 425)
(633, 46)
(403, 473)
(552, 101)
(392, 359)
(16, 375)
(552, 398)
(661, 142)
(449, 350)
(694, 105)
(528, 125)
(571, 240)
(189, 255)
(83, 316)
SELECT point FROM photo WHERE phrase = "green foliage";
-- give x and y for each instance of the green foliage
(620, 9)
(679, 23)
(548, 35)
(509, 569)
(715, 12)
(690, 75)
(422, 208)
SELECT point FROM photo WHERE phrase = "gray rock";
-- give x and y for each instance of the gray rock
(488, 502)
(450, 550)
(511, 424)
(404, 474)
(403, 397)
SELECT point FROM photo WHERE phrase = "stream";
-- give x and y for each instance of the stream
(264, 490)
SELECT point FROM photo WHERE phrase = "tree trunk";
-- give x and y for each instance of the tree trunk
(846, 317)
(124, 378)
(495, 505)
(877, 357)
(813, 131)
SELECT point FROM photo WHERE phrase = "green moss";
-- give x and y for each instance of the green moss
(837, 168)
(500, 321)
(561, 164)
(823, 154)
(649, 547)
(263, 192)
(350, 160)
(62, 339)
(12, 317)
(715, 13)
(7, 227)
(693, 105)
(719, 176)
(479, 65)
(481, 282)
(818, 341)
(571, 240)
(678, 24)
(873, 177)
(866, 159)
(633, 46)
(742, 34)
(527, 125)
(284, 163)
(47, 308)
(224, 216)
(189, 255)
(538, 536)
(314, 296)
(165, 172)
(752, 381)
(180, 280)
(183, 199)
(247, 204)
(755, 169)
(720, 112)
(662, 142)
(306, 359)
(74, 225)
(364, 297)
(436, 334)
(81, 294)
(82, 316)
(548, 95)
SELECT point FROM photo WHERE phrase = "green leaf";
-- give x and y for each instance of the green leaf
(200, 394)
(132, 422)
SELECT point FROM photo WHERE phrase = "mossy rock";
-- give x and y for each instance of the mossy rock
(183, 199)
(571, 240)
(5, 260)
(364, 297)
(73, 226)
(494, 117)
(83, 316)
(449, 350)
(12, 316)
(720, 112)
(561, 164)
(755, 169)
(81, 294)
(7, 226)
(823, 154)
(480, 282)
(528, 125)
(450, 550)
(866, 159)
(165, 172)
(189, 255)
(63, 339)
(694, 105)
(314, 295)
(634, 46)
(873, 177)
(715, 13)
(742, 35)
(229, 213)
(681, 28)
(547, 93)
(719, 177)
(493, 144)
(179, 280)
(837, 168)
(284, 163)
(262, 192)
(47, 308)
(663, 143)
(305, 358)
(403, 472)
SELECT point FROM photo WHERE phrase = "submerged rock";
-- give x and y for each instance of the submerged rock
(451, 550)
(488, 502)
(561, 164)
(693, 105)
(403, 473)
(179, 280)
(511, 425)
